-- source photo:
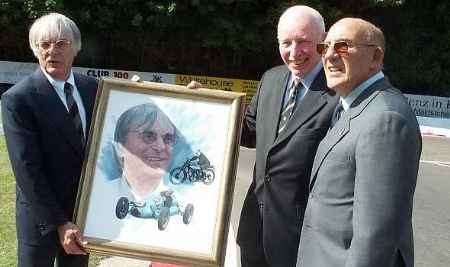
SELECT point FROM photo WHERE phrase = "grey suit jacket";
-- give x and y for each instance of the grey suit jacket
(362, 185)
(282, 167)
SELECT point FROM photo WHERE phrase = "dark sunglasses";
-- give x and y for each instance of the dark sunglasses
(340, 47)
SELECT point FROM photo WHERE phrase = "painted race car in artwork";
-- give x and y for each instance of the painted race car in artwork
(159, 208)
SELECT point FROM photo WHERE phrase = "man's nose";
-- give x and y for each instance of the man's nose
(294, 50)
(52, 49)
(159, 144)
(330, 53)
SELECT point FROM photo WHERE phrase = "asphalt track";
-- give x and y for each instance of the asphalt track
(431, 214)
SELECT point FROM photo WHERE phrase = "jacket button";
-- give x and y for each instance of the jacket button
(267, 178)
(43, 227)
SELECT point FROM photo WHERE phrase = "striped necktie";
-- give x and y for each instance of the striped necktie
(73, 111)
(290, 104)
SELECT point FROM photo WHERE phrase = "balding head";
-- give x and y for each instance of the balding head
(300, 29)
(347, 66)
(302, 13)
(366, 32)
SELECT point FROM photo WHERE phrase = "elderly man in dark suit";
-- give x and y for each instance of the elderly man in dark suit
(364, 174)
(46, 119)
(285, 121)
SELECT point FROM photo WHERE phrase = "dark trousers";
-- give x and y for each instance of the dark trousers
(253, 262)
(48, 256)
(256, 258)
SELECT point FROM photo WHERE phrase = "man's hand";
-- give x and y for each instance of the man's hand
(71, 239)
(194, 85)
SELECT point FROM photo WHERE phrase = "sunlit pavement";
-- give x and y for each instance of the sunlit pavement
(431, 211)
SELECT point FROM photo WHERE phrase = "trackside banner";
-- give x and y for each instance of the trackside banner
(430, 106)
(13, 72)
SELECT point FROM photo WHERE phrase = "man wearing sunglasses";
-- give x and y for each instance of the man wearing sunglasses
(46, 119)
(285, 121)
(359, 211)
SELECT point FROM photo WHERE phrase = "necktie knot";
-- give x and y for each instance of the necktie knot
(337, 113)
(68, 89)
(295, 82)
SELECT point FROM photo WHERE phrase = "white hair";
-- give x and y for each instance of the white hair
(54, 26)
(304, 12)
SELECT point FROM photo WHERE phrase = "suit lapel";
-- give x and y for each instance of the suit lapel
(342, 127)
(54, 110)
(273, 104)
(88, 98)
(313, 101)
(334, 135)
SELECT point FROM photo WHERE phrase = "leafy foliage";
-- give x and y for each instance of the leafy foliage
(232, 38)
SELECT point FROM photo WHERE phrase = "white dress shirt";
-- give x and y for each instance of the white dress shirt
(58, 85)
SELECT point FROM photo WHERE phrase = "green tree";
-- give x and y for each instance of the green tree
(232, 38)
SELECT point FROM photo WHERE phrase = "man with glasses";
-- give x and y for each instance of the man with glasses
(359, 211)
(46, 118)
(144, 140)
(285, 121)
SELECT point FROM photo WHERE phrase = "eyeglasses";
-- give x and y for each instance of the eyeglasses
(58, 44)
(340, 47)
(149, 137)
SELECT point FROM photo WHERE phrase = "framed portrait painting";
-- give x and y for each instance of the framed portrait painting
(158, 179)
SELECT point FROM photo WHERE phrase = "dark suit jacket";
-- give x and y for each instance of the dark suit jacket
(45, 152)
(283, 165)
(364, 175)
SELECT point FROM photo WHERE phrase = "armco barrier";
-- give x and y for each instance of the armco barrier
(433, 112)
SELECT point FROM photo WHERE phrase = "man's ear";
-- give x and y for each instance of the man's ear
(378, 58)
(118, 149)
(118, 154)
(379, 55)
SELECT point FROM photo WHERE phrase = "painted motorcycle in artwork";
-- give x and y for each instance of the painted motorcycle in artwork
(195, 169)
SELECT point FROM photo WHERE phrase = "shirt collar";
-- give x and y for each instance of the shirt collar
(350, 98)
(125, 187)
(309, 78)
(59, 84)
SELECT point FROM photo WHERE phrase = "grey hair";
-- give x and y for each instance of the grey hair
(375, 35)
(136, 117)
(303, 11)
(143, 115)
(54, 26)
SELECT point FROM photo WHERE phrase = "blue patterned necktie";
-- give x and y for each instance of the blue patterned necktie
(73, 111)
(336, 114)
(290, 104)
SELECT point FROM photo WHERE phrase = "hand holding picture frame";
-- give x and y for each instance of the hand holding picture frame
(158, 179)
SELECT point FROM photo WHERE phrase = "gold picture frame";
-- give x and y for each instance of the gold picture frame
(158, 178)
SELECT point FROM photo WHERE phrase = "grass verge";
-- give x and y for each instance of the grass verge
(8, 242)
